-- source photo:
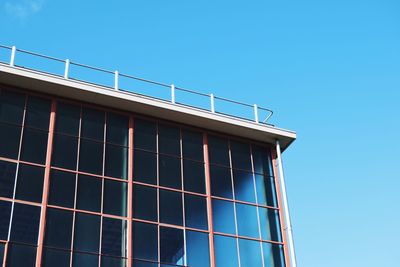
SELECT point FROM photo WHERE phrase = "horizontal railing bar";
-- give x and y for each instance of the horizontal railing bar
(191, 91)
(233, 101)
(144, 80)
(4, 46)
(40, 55)
(266, 109)
(90, 67)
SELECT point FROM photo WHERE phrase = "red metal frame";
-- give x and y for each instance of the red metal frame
(130, 191)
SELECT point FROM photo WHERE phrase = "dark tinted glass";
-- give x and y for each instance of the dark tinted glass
(170, 172)
(87, 233)
(115, 195)
(84, 259)
(169, 140)
(21, 256)
(144, 203)
(244, 186)
(221, 183)
(91, 157)
(250, 253)
(218, 150)
(192, 145)
(7, 178)
(113, 238)
(171, 246)
(38, 113)
(270, 227)
(1, 252)
(273, 255)
(62, 189)
(145, 135)
(30, 183)
(5, 214)
(240, 155)
(34, 146)
(197, 249)
(226, 254)
(67, 120)
(171, 207)
(112, 262)
(266, 194)
(137, 263)
(145, 167)
(89, 193)
(65, 149)
(92, 124)
(116, 161)
(58, 228)
(145, 240)
(193, 176)
(25, 224)
(53, 257)
(117, 129)
(9, 140)
(262, 161)
(196, 212)
(11, 107)
(223, 216)
(247, 220)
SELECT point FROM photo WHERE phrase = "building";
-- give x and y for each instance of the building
(97, 176)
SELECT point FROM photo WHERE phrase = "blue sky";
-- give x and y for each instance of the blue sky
(329, 69)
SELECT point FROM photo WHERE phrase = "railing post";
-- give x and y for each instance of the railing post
(116, 74)
(172, 94)
(256, 113)
(12, 59)
(212, 103)
(66, 72)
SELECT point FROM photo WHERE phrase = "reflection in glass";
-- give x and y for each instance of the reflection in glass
(117, 129)
(137, 263)
(197, 249)
(266, 194)
(91, 157)
(34, 146)
(247, 220)
(262, 161)
(269, 222)
(92, 124)
(221, 183)
(169, 140)
(244, 186)
(84, 259)
(145, 167)
(1, 252)
(170, 172)
(171, 246)
(196, 212)
(116, 161)
(25, 224)
(113, 238)
(145, 135)
(193, 176)
(145, 241)
(58, 228)
(223, 216)
(89, 193)
(192, 145)
(240, 155)
(250, 253)
(112, 262)
(65, 149)
(171, 207)
(9, 140)
(87, 233)
(37, 113)
(7, 178)
(5, 214)
(144, 203)
(11, 107)
(67, 120)
(115, 197)
(62, 188)
(226, 254)
(55, 257)
(20, 255)
(273, 255)
(218, 150)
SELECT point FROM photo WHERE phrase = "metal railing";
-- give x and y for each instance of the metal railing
(254, 112)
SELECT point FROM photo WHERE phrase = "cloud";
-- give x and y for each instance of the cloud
(23, 9)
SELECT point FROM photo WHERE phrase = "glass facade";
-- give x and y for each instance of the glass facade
(86, 186)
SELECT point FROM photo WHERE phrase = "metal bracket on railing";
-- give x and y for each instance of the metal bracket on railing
(12, 59)
(256, 113)
(116, 74)
(172, 93)
(212, 103)
(66, 72)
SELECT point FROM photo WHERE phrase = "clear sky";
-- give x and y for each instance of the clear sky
(329, 69)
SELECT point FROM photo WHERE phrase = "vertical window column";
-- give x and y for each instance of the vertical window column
(130, 191)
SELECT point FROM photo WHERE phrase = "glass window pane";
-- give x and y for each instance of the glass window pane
(117, 129)
(266, 194)
(270, 226)
(91, 157)
(221, 183)
(62, 188)
(113, 238)
(170, 172)
(171, 246)
(196, 212)
(145, 241)
(38, 113)
(65, 149)
(171, 207)
(218, 150)
(192, 145)
(58, 228)
(115, 197)
(87, 233)
(145, 203)
(250, 253)
(5, 214)
(89, 193)
(223, 216)
(145, 135)
(193, 176)
(11, 107)
(197, 249)
(273, 255)
(84, 259)
(21, 256)
(92, 124)
(34, 146)
(262, 161)
(7, 178)
(9, 140)
(25, 224)
(30, 183)
(54, 257)
(67, 120)
(116, 161)
(247, 220)
(145, 167)
(2, 245)
(112, 262)
(137, 263)
(226, 254)
(240, 155)
(244, 186)
(169, 140)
